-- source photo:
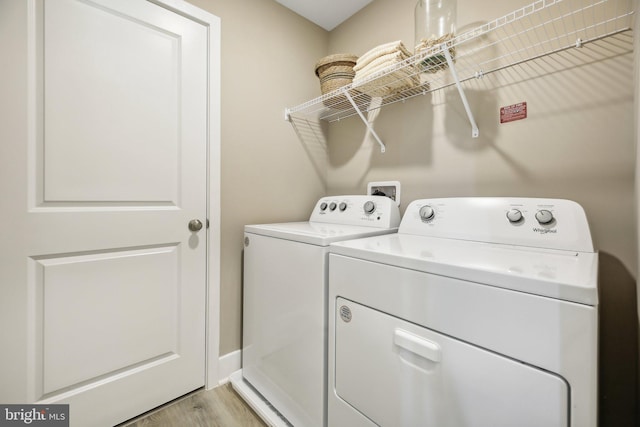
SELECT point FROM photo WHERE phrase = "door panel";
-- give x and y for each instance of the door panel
(129, 90)
(111, 287)
(103, 283)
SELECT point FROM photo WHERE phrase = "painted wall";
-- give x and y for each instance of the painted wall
(268, 57)
(578, 142)
(636, 109)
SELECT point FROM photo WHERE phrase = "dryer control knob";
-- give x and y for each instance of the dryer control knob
(514, 215)
(323, 206)
(369, 207)
(544, 216)
(427, 213)
(332, 206)
(342, 207)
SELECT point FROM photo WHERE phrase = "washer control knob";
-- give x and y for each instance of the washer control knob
(514, 215)
(342, 207)
(323, 206)
(369, 207)
(427, 213)
(332, 206)
(544, 216)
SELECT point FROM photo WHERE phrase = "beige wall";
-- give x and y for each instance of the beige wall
(268, 57)
(636, 109)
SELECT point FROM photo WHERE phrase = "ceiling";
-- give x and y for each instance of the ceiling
(326, 13)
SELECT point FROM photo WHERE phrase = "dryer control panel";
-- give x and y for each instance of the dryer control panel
(364, 210)
(543, 223)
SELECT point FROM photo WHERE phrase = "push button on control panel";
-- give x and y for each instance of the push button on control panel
(332, 206)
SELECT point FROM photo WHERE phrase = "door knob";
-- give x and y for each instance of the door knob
(195, 225)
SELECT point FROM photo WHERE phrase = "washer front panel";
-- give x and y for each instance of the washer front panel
(284, 326)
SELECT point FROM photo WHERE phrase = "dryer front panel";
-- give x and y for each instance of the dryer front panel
(399, 374)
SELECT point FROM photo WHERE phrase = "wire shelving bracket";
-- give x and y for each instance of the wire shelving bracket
(366, 122)
(474, 127)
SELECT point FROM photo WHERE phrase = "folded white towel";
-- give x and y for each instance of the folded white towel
(388, 84)
(365, 74)
(381, 50)
(385, 60)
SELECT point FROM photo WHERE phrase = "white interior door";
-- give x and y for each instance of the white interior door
(103, 284)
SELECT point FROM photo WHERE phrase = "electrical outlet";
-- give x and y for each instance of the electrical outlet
(390, 189)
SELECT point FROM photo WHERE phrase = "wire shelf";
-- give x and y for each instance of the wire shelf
(542, 28)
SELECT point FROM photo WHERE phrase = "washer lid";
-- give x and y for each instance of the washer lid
(566, 275)
(315, 233)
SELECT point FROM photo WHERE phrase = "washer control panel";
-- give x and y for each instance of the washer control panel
(371, 211)
(544, 223)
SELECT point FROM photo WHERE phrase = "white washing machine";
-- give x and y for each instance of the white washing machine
(479, 312)
(285, 305)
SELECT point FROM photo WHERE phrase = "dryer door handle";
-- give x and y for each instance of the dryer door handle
(417, 345)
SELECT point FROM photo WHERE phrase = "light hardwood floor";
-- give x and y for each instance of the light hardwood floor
(220, 407)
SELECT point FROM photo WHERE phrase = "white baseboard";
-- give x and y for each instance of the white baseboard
(228, 364)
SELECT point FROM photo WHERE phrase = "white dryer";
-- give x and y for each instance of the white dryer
(284, 351)
(479, 312)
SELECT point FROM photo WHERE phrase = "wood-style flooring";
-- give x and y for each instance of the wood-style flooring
(220, 407)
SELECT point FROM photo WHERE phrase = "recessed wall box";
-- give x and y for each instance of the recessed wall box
(391, 189)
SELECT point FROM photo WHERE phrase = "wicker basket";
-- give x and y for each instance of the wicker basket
(335, 71)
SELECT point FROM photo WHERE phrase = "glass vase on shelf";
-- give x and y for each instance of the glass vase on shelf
(435, 24)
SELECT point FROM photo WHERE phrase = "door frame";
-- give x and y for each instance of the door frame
(213, 237)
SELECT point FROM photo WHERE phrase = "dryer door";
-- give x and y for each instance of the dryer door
(399, 374)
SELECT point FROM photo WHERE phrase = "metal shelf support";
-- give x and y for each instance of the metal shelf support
(474, 127)
(364, 119)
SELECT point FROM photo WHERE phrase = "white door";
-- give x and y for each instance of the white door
(103, 158)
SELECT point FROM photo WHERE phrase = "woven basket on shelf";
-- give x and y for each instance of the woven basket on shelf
(336, 71)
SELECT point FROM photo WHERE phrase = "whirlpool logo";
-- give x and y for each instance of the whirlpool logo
(545, 230)
(34, 415)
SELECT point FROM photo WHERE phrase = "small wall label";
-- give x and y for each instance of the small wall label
(513, 112)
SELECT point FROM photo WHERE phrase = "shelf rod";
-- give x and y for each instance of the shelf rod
(474, 127)
(366, 122)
